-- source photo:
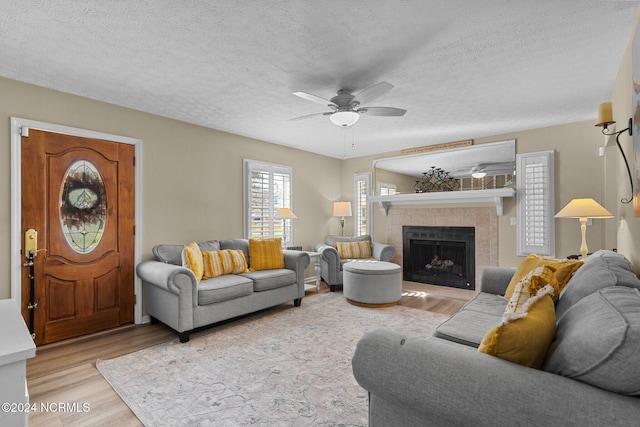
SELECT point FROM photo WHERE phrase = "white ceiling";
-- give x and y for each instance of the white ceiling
(463, 69)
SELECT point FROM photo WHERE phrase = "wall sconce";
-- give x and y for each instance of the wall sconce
(605, 118)
(342, 209)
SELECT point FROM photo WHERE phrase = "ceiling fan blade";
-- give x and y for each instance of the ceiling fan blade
(381, 111)
(314, 98)
(372, 92)
(310, 115)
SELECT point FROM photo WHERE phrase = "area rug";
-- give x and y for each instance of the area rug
(284, 366)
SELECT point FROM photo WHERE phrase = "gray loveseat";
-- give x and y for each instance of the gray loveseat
(591, 375)
(331, 264)
(173, 296)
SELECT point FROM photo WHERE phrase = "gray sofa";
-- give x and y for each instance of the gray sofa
(331, 264)
(172, 295)
(591, 375)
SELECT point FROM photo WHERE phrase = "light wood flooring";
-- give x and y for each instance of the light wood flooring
(65, 372)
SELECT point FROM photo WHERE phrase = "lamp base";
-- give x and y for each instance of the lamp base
(583, 228)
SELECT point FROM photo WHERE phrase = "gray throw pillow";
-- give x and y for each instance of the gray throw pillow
(598, 341)
(172, 254)
(600, 270)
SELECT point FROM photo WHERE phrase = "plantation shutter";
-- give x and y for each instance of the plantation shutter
(267, 188)
(362, 212)
(535, 204)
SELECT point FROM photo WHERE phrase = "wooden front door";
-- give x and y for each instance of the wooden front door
(78, 198)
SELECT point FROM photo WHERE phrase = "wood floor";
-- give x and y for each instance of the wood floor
(65, 372)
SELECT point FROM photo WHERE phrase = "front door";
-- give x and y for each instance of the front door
(78, 215)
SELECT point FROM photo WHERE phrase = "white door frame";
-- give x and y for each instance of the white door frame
(17, 124)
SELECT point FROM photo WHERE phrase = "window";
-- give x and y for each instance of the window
(267, 187)
(362, 213)
(535, 203)
(386, 189)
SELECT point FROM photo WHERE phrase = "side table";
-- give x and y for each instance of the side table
(314, 257)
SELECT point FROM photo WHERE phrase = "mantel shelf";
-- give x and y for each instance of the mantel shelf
(465, 196)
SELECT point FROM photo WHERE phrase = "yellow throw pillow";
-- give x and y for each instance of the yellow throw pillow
(193, 256)
(529, 287)
(234, 261)
(226, 261)
(564, 269)
(265, 254)
(524, 340)
(354, 250)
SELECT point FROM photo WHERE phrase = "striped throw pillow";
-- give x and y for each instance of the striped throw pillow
(226, 261)
(265, 254)
(354, 250)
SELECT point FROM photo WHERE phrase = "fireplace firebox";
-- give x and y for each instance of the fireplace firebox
(439, 255)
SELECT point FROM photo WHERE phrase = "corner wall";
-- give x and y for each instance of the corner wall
(191, 175)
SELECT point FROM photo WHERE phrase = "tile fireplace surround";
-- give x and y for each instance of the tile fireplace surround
(484, 219)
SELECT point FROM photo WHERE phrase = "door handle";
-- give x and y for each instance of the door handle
(31, 243)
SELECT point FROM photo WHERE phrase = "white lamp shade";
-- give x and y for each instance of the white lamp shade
(342, 209)
(285, 213)
(584, 208)
(344, 118)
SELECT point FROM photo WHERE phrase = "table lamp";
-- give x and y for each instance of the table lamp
(285, 213)
(583, 209)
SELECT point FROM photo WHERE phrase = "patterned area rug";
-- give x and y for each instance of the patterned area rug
(284, 366)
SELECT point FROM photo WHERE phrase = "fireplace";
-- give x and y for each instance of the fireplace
(439, 255)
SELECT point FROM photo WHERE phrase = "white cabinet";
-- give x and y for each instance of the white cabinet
(16, 346)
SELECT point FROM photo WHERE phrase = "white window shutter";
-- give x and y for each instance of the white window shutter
(267, 187)
(362, 211)
(535, 203)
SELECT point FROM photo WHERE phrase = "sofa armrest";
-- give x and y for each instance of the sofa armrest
(329, 254)
(443, 383)
(495, 280)
(171, 278)
(382, 251)
(297, 261)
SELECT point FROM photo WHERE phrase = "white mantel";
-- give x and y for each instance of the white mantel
(464, 196)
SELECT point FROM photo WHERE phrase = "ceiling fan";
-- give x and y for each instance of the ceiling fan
(346, 107)
(481, 170)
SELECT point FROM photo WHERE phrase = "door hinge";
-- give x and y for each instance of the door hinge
(134, 230)
(134, 161)
(24, 131)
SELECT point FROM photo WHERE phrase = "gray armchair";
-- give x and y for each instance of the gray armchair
(331, 264)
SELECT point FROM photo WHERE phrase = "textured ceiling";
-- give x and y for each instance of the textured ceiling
(463, 69)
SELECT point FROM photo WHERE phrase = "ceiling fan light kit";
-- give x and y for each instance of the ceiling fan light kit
(344, 118)
(346, 106)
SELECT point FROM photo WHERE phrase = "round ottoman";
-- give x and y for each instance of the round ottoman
(372, 283)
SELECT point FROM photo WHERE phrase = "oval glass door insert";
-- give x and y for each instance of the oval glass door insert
(83, 206)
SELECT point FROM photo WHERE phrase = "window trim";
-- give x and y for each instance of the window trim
(546, 158)
(248, 166)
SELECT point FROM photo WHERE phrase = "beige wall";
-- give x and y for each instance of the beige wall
(191, 176)
(579, 172)
(625, 229)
